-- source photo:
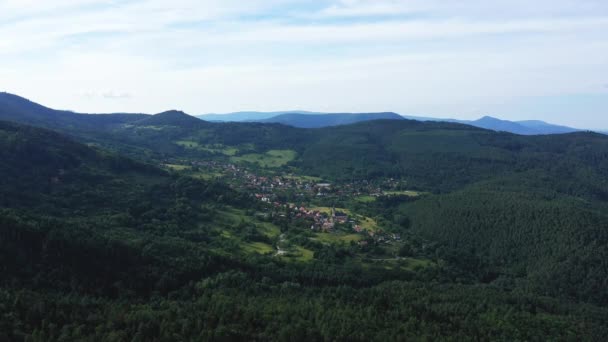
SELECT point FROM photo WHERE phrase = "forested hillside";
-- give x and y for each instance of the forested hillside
(167, 227)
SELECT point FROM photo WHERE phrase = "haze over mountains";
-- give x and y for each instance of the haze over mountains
(305, 119)
(16, 108)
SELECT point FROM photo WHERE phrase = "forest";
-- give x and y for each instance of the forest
(500, 236)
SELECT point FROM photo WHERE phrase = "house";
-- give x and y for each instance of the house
(327, 226)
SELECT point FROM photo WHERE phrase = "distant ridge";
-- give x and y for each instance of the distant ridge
(528, 127)
(328, 120)
(306, 119)
(249, 115)
(18, 109)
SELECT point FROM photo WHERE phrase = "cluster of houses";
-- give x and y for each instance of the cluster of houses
(241, 177)
(321, 221)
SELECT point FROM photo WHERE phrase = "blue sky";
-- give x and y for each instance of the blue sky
(512, 59)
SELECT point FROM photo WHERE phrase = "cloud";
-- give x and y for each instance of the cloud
(427, 56)
(109, 95)
(116, 96)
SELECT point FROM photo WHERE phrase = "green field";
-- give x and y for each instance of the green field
(216, 148)
(365, 199)
(300, 254)
(257, 247)
(270, 159)
(405, 193)
(327, 210)
(177, 167)
(268, 229)
(333, 238)
(368, 223)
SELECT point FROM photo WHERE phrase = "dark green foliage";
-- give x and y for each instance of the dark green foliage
(101, 247)
(18, 109)
(559, 246)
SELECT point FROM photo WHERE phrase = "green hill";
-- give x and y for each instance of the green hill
(18, 109)
(505, 239)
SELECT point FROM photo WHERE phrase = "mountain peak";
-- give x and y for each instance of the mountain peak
(171, 118)
(489, 118)
(172, 112)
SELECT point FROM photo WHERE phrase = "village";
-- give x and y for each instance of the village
(305, 199)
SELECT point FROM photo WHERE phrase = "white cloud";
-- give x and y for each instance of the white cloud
(434, 57)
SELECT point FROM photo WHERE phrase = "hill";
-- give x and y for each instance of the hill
(530, 127)
(511, 221)
(97, 246)
(526, 127)
(18, 109)
(302, 119)
(327, 120)
(247, 116)
(170, 118)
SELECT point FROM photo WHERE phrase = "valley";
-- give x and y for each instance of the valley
(170, 226)
(304, 208)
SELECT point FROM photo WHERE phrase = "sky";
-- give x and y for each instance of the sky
(512, 59)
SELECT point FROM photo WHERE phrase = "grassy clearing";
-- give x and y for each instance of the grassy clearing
(368, 223)
(270, 159)
(327, 210)
(365, 199)
(269, 229)
(217, 148)
(188, 144)
(332, 238)
(300, 254)
(405, 192)
(233, 216)
(177, 167)
(257, 247)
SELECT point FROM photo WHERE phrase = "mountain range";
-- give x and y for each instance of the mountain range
(167, 227)
(304, 119)
(33, 113)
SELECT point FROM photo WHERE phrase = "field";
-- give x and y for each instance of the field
(257, 247)
(327, 210)
(302, 178)
(216, 148)
(177, 167)
(333, 238)
(367, 223)
(270, 159)
(300, 254)
(365, 199)
(405, 193)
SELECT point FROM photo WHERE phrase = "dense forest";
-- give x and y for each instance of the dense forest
(99, 240)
